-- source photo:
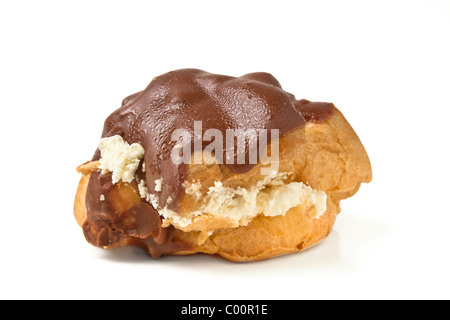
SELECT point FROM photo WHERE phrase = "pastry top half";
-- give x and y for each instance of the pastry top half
(133, 192)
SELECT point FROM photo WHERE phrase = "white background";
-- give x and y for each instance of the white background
(66, 65)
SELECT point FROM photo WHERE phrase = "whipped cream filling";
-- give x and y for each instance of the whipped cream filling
(120, 158)
(270, 196)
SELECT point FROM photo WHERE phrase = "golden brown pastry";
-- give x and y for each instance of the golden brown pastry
(157, 183)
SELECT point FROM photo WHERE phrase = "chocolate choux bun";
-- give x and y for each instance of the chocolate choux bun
(206, 163)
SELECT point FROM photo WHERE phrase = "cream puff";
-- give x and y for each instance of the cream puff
(206, 163)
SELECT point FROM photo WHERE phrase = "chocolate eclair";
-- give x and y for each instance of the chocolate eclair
(207, 163)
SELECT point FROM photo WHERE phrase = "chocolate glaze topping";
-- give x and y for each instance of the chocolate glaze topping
(174, 101)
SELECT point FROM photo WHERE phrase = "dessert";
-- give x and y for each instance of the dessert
(206, 163)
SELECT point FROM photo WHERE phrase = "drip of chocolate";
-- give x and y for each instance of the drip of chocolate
(139, 225)
(174, 101)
